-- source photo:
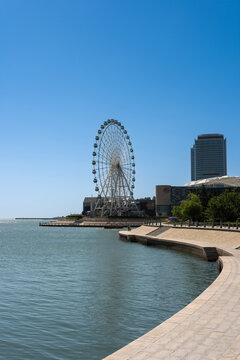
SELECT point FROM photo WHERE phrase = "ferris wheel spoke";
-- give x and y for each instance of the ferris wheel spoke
(109, 156)
(110, 139)
(104, 176)
(105, 146)
(123, 187)
(127, 166)
(105, 185)
(108, 182)
(121, 146)
(102, 158)
(126, 173)
(104, 168)
(103, 165)
(126, 181)
(103, 161)
(105, 154)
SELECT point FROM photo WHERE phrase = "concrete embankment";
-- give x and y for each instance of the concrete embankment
(209, 244)
(207, 328)
(101, 223)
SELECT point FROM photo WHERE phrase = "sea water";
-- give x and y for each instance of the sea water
(81, 293)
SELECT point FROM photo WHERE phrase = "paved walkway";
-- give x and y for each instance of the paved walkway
(209, 327)
(219, 238)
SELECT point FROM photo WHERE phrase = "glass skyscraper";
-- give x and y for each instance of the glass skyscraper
(208, 157)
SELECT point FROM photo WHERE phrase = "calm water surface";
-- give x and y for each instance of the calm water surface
(70, 293)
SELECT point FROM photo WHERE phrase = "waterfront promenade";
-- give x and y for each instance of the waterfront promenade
(209, 327)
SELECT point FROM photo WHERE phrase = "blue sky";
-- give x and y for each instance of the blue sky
(168, 70)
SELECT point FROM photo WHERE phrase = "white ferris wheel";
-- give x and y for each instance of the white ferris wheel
(114, 170)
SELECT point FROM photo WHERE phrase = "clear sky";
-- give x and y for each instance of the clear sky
(169, 70)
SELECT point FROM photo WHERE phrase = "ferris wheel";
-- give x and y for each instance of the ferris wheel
(113, 169)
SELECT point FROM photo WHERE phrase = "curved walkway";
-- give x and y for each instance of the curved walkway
(207, 328)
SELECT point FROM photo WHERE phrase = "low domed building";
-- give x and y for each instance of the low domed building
(167, 196)
(222, 181)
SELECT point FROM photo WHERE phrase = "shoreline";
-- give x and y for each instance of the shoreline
(208, 327)
(96, 223)
(37, 218)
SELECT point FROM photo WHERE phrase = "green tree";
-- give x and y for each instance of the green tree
(215, 209)
(204, 196)
(224, 207)
(189, 209)
(177, 211)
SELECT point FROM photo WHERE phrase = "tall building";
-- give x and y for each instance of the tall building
(208, 157)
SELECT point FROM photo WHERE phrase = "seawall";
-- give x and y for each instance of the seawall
(208, 327)
(95, 222)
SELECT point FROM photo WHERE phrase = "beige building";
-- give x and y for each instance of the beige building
(163, 199)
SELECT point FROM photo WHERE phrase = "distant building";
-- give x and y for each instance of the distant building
(89, 204)
(208, 157)
(168, 196)
(146, 206)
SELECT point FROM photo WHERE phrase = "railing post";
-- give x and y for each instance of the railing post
(236, 224)
(213, 224)
(229, 225)
(220, 224)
